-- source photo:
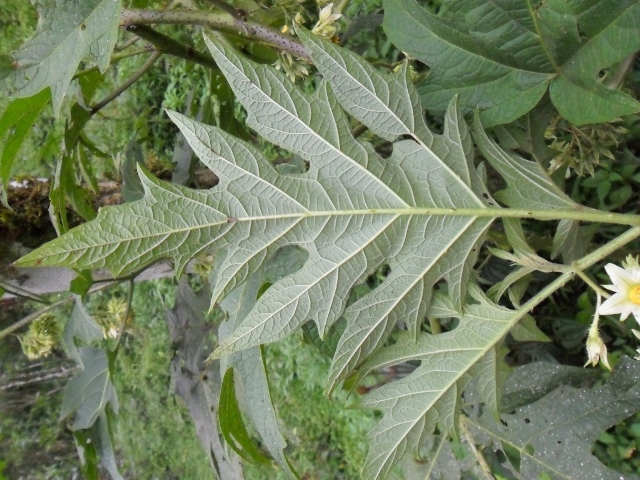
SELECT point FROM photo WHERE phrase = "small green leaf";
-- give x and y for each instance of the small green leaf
(67, 32)
(569, 241)
(82, 327)
(17, 119)
(90, 391)
(591, 103)
(131, 185)
(95, 449)
(526, 330)
(528, 184)
(82, 283)
(232, 424)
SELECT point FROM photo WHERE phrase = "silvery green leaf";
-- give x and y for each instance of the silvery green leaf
(88, 393)
(68, 31)
(429, 397)
(422, 212)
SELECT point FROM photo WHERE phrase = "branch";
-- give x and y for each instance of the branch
(37, 314)
(30, 318)
(164, 44)
(237, 25)
(41, 377)
(130, 81)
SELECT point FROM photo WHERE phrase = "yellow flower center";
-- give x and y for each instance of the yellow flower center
(634, 294)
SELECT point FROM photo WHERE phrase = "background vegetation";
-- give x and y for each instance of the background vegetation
(153, 433)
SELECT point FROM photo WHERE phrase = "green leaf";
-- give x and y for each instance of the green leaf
(232, 424)
(68, 31)
(528, 184)
(529, 383)
(554, 435)
(90, 391)
(17, 119)
(82, 283)
(65, 189)
(501, 56)
(422, 212)
(131, 186)
(252, 383)
(95, 449)
(430, 395)
(569, 241)
(82, 327)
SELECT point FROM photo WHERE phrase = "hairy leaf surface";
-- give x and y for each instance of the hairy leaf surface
(423, 212)
(554, 435)
(68, 31)
(501, 56)
(251, 382)
(429, 396)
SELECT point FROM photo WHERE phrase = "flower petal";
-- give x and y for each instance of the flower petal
(617, 304)
(622, 278)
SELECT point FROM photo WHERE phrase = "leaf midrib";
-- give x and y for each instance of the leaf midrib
(489, 212)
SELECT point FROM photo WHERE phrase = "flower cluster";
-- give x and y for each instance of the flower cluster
(325, 26)
(41, 337)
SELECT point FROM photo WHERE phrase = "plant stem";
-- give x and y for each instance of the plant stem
(126, 317)
(126, 44)
(340, 5)
(37, 314)
(582, 264)
(16, 291)
(165, 44)
(130, 81)
(359, 130)
(581, 214)
(29, 318)
(223, 22)
(435, 325)
(585, 278)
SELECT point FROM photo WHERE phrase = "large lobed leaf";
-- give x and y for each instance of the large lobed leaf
(429, 396)
(553, 436)
(501, 56)
(68, 31)
(423, 212)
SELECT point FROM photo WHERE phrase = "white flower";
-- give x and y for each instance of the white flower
(626, 285)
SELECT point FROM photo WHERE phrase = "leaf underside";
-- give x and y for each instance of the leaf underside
(68, 31)
(351, 213)
(501, 56)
